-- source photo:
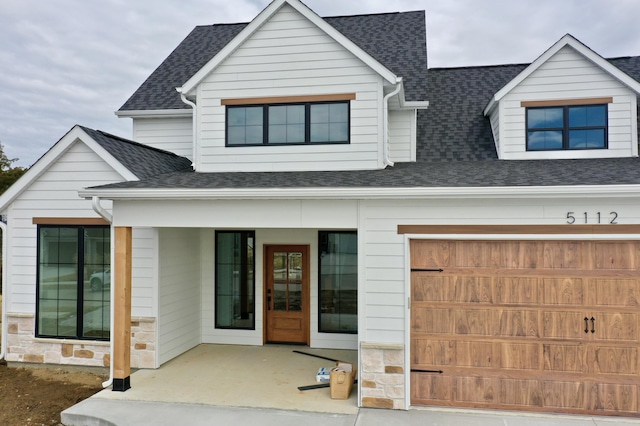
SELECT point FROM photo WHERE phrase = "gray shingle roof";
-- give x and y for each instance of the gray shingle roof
(455, 148)
(617, 171)
(143, 161)
(379, 35)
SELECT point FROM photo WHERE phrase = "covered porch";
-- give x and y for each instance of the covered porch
(242, 376)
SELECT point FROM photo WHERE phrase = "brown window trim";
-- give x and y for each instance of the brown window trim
(563, 102)
(519, 229)
(69, 221)
(290, 99)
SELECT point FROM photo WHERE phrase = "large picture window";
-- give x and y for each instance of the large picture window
(74, 280)
(569, 127)
(338, 282)
(235, 280)
(282, 124)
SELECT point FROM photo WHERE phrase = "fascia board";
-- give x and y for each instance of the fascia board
(51, 156)
(155, 113)
(567, 40)
(260, 20)
(529, 192)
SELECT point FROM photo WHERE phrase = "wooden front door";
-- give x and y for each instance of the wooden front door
(527, 325)
(287, 294)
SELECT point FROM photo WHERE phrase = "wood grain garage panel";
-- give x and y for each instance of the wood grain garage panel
(533, 325)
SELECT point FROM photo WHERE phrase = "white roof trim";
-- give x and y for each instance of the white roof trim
(155, 113)
(567, 40)
(529, 192)
(261, 19)
(76, 134)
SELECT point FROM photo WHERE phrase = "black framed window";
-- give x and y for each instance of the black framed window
(571, 127)
(74, 279)
(338, 282)
(282, 124)
(235, 280)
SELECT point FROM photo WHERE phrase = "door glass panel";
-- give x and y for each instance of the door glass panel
(280, 297)
(295, 266)
(280, 266)
(295, 297)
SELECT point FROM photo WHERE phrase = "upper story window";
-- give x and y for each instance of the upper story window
(292, 120)
(566, 127)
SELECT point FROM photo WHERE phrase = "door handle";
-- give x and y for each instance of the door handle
(268, 303)
(586, 324)
(593, 325)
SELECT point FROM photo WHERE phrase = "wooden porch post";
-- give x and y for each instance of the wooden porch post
(122, 310)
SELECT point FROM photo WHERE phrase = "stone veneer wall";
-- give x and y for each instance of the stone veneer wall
(382, 379)
(23, 346)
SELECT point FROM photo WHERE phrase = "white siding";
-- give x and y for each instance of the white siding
(54, 194)
(385, 277)
(289, 56)
(402, 136)
(495, 127)
(568, 75)
(179, 326)
(144, 273)
(169, 134)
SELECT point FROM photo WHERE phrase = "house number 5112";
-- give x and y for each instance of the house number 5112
(595, 218)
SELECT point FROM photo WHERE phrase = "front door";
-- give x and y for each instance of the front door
(287, 294)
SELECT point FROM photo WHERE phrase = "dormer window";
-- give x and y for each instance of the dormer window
(570, 125)
(288, 121)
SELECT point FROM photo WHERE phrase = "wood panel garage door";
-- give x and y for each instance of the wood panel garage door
(529, 325)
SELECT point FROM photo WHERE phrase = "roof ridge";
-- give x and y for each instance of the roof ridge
(374, 14)
(517, 64)
(220, 24)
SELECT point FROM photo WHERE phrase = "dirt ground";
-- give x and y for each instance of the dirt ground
(36, 396)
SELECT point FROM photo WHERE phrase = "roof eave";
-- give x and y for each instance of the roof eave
(529, 192)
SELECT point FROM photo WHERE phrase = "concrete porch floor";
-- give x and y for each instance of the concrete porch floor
(241, 376)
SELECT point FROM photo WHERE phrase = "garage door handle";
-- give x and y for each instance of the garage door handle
(416, 370)
(426, 270)
(593, 325)
(586, 324)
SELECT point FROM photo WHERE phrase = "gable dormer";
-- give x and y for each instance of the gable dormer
(292, 93)
(569, 103)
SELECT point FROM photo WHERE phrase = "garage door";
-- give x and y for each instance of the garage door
(533, 325)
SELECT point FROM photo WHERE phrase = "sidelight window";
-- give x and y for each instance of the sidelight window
(338, 282)
(235, 280)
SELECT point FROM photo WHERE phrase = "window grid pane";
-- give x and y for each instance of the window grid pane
(244, 126)
(286, 124)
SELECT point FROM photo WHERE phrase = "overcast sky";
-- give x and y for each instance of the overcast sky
(68, 62)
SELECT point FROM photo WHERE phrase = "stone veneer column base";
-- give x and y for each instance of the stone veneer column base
(382, 379)
(23, 346)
